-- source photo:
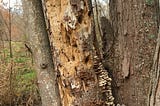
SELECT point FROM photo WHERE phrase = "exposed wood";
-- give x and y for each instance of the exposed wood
(82, 79)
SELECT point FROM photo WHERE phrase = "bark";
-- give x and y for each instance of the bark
(98, 30)
(40, 47)
(154, 99)
(135, 25)
(82, 80)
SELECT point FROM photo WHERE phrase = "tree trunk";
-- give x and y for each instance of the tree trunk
(135, 70)
(40, 48)
(82, 79)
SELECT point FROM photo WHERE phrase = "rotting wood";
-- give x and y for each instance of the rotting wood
(82, 79)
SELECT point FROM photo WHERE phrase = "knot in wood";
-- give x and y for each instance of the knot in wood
(43, 65)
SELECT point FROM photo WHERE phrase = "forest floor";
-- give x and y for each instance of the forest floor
(18, 83)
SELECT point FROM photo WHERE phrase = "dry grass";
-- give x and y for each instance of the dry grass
(17, 77)
(4, 83)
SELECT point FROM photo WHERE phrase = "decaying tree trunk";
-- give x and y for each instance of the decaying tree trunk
(82, 79)
(135, 24)
(40, 48)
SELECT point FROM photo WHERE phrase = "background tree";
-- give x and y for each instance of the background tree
(136, 56)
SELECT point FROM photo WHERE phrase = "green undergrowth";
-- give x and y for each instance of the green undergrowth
(149, 2)
(23, 76)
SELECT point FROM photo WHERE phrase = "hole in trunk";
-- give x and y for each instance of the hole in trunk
(86, 59)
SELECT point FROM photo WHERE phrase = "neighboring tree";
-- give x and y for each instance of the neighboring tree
(82, 79)
(3, 28)
(38, 43)
(136, 57)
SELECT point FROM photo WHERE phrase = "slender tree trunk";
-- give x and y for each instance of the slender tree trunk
(40, 48)
(154, 95)
(82, 79)
(135, 24)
